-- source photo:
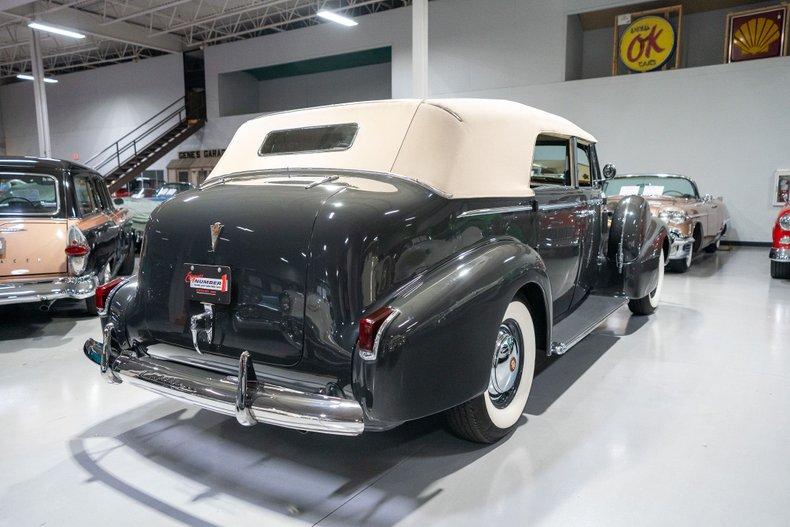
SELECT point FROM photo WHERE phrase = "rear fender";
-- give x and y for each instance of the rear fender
(436, 353)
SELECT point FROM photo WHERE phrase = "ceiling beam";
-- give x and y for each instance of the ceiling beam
(225, 14)
(144, 12)
(91, 24)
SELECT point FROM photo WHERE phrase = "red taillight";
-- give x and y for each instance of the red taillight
(103, 291)
(369, 328)
(77, 250)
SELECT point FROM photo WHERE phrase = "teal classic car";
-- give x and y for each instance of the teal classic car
(141, 208)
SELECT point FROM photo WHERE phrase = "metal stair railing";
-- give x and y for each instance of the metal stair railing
(127, 147)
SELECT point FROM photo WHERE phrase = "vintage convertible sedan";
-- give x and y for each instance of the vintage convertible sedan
(349, 268)
(780, 245)
(696, 222)
(61, 236)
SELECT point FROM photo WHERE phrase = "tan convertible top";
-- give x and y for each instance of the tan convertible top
(461, 147)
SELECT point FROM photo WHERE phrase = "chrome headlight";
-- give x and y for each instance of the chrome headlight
(673, 216)
(784, 222)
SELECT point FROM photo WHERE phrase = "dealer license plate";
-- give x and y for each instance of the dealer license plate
(208, 283)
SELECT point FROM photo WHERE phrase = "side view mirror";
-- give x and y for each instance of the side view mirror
(707, 198)
(118, 201)
(609, 171)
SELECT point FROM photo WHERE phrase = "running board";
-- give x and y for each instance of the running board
(573, 328)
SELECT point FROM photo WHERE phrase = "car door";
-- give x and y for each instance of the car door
(589, 218)
(561, 210)
(94, 221)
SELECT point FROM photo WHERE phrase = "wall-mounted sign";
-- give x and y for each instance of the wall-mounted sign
(756, 34)
(781, 188)
(197, 154)
(647, 41)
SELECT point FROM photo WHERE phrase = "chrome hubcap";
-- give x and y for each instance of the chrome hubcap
(506, 364)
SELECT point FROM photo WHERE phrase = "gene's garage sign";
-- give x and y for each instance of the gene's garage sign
(647, 43)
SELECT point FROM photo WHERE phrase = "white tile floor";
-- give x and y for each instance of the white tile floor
(682, 419)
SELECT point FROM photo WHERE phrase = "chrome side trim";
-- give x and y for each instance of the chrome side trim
(558, 206)
(560, 348)
(229, 395)
(495, 210)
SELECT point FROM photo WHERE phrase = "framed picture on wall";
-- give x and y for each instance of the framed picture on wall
(647, 40)
(781, 188)
(756, 34)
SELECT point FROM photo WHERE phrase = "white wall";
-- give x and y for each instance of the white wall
(726, 125)
(88, 110)
(328, 87)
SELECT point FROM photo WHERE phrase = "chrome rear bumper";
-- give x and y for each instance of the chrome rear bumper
(20, 292)
(243, 396)
(779, 255)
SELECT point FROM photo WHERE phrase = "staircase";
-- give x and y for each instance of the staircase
(126, 158)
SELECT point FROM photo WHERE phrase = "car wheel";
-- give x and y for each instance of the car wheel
(491, 415)
(104, 277)
(713, 247)
(648, 304)
(127, 268)
(682, 265)
(780, 269)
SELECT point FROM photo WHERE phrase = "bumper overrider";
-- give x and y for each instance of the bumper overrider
(680, 245)
(779, 254)
(243, 396)
(45, 290)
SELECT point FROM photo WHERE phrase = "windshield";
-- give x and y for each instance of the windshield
(28, 195)
(674, 187)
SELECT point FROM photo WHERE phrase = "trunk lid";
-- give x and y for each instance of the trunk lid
(32, 247)
(264, 239)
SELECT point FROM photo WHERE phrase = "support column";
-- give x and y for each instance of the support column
(419, 48)
(42, 116)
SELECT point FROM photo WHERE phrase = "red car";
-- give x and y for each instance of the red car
(780, 249)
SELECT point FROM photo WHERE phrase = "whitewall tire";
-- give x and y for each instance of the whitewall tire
(649, 303)
(490, 416)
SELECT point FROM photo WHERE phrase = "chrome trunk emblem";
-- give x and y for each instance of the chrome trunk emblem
(202, 323)
(216, 228)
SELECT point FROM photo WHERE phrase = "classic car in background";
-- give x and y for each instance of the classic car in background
(60, 234)
(695, 222)
(780, 246)
(352, 267)
(141, 206)
(145, 192)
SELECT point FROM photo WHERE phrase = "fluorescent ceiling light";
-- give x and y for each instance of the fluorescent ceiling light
(339, 19)
(30, 78)
(56, 30)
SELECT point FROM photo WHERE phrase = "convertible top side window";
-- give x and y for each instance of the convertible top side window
(551, 162)
(329, 138)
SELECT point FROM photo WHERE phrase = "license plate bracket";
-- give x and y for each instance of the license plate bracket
(208, 283)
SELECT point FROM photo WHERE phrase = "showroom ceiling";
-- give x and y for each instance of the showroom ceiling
(123, 30)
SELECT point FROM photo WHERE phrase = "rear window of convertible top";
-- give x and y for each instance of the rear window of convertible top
(312, 139)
